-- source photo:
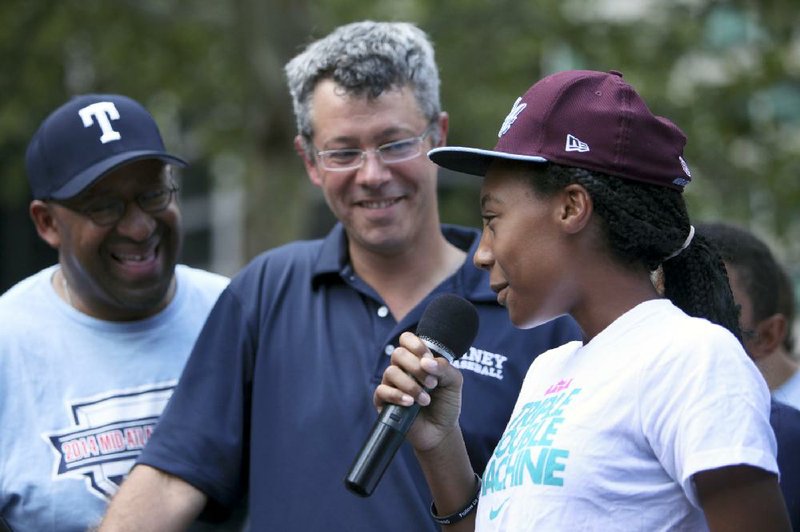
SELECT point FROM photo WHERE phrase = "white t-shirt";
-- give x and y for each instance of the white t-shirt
(79, 396)
(607, 435)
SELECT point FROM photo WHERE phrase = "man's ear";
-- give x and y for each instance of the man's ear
(575, 209)
(312, 170)
(443, 125)
(769, 336)
(43, 219)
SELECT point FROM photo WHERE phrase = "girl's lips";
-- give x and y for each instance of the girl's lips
(502, 292)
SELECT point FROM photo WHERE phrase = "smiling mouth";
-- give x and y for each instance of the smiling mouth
(134, 258)
(378, 204)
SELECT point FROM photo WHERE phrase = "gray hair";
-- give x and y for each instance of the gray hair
(365, 59)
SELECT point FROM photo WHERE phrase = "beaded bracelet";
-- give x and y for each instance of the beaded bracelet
(462, 513)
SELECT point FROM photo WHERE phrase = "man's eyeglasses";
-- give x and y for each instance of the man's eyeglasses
(108, 211)
(390, 153)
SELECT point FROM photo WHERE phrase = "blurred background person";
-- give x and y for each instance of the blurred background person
(766, 296)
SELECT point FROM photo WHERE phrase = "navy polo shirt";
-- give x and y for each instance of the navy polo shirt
(785, 421)
(277, 394)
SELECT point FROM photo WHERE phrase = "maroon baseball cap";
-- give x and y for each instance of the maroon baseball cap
(586, 119)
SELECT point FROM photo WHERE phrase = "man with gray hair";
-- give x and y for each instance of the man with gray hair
(276, 400)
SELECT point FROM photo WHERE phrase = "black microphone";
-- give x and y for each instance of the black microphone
(448, 326)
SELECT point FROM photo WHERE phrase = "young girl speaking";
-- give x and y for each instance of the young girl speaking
(658, 420)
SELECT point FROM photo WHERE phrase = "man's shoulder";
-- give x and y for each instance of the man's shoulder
(789, 391)
(27, 309)
(197, 275)
(785, 421)
(197, 288)
(461, 236)
(21, 292)
(295, 254)
(288, 267)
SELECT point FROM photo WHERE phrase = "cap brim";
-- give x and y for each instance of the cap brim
(473, 160)
(86, 178)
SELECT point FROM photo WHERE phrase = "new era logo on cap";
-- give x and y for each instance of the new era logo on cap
(85, 139)
(586, 119)
(575, 144)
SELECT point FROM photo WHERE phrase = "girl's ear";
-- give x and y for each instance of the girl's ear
(576, 208)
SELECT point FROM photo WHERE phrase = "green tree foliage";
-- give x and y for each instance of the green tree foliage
(211, 71)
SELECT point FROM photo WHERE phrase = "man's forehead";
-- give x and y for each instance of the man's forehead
(329, 97)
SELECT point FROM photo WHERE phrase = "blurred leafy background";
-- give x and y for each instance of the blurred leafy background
(211, 72)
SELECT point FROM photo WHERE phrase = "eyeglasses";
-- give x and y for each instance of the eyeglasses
(390, 153)
(108, 211)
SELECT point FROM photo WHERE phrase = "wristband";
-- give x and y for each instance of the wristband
(462, 513)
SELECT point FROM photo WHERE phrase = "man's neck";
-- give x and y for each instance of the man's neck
(777, 368)
(404, 279)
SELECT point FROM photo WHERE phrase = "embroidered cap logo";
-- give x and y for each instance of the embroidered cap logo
(516, 109)
(104, 112)
(575, 144)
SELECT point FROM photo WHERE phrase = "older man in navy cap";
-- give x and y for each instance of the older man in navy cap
(94, 345)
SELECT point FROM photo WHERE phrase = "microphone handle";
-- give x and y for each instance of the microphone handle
(387, 435)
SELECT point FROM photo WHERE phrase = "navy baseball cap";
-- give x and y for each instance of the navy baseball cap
(586, 119)
(88, 137)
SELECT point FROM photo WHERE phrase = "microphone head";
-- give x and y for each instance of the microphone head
(449, 322)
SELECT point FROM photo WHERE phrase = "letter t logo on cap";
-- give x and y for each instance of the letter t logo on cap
(104, 112)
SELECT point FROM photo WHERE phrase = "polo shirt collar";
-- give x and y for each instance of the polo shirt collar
(333, 261)
(333, 257)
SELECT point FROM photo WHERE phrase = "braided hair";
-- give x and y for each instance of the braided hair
(644, 225)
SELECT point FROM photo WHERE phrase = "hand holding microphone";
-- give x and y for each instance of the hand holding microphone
(447, 328)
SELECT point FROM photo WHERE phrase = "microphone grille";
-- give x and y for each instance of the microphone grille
(450, 321)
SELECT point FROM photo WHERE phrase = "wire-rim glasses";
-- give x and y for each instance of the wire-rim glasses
(108, 211)
(398, 151)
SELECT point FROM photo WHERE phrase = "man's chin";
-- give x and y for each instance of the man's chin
(144, 301)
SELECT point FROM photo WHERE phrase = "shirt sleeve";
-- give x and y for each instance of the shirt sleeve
(706, 410)
(202, 436)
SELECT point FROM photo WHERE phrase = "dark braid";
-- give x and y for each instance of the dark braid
(645, 224)
(702, 288)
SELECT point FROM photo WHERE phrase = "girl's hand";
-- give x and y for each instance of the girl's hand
(416, 375)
